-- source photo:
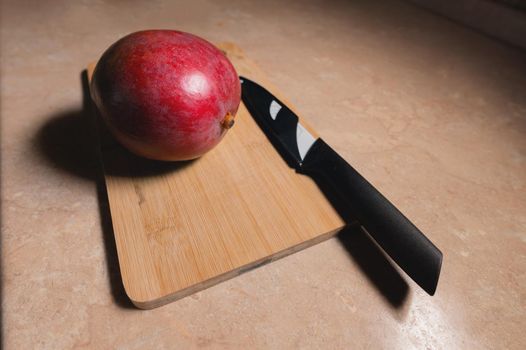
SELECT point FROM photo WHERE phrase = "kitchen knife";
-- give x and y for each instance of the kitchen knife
(397, 236)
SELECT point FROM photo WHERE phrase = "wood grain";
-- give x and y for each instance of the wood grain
(182, 227)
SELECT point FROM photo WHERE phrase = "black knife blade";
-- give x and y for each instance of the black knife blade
(397, 236)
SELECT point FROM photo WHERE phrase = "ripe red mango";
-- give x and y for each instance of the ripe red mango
(166, 94)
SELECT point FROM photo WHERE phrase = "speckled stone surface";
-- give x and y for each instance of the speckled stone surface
(434, 115)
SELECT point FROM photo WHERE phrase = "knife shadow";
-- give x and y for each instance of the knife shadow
(371, 260)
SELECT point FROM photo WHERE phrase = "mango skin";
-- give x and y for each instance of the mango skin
(164, 94)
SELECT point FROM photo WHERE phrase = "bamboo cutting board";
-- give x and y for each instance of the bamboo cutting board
(183, 227)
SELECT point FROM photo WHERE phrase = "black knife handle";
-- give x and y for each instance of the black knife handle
(398, 236)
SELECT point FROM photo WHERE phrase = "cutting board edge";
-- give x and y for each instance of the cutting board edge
(141, 300)
(166, 299)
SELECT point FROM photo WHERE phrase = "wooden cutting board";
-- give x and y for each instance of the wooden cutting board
(183, 227)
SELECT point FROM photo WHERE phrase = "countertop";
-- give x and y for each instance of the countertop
(432, 113)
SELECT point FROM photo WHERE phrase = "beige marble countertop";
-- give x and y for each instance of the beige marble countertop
(432, 113)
